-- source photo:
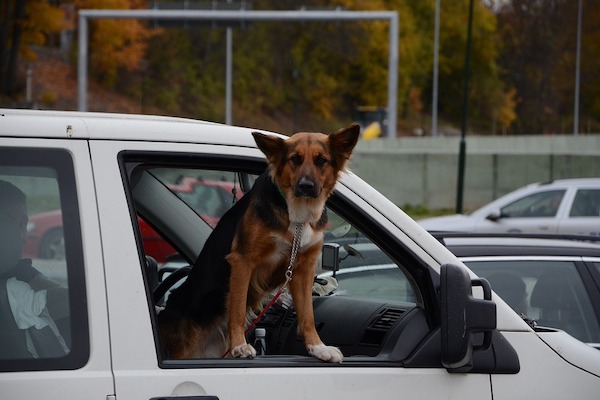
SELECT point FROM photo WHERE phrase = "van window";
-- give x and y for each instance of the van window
(43, 318)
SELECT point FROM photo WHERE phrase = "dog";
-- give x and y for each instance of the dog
(248, 253)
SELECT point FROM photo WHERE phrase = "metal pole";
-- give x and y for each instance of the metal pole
(577, 67)
(463, 144)
(393, 77)
(228, 78)
(434, 95)
(244, 15)
(82, 62)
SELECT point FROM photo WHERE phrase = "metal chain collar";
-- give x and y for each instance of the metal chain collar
(295, 247)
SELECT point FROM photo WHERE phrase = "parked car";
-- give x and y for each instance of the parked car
(554, 282)
(566, 206)
(45, 232)
(550, 281)
(448, 335)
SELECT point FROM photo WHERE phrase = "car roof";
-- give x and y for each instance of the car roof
(106, 126)
(475, 244)
(565, 183)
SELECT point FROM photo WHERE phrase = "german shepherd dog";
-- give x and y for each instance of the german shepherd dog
(247, 255)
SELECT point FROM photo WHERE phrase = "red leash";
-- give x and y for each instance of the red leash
(259, 317)
(263, 312)
(288, 277)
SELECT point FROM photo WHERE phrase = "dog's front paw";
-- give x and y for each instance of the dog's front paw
(244, 350)
(325, 353)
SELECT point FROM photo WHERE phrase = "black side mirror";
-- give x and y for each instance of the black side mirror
(463, 316)
(494, 216)
(330, 257)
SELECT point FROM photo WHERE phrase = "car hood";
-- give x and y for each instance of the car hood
(572, 350)
(457, 222)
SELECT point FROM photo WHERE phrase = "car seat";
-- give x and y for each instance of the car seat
(512, 290)
(559, 306)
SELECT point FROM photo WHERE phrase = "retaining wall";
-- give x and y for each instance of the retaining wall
(423, 171)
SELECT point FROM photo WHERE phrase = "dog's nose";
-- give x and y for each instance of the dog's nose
(306, 188)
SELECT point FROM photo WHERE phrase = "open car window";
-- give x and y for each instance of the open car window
(358, 308)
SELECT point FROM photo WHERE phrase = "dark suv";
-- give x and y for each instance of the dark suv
(551, 281)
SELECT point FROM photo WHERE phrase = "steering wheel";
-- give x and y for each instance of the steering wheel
(168, 282)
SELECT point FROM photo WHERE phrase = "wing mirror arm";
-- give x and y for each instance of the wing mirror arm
(463, 316)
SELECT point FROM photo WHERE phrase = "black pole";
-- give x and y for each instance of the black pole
(463, 128)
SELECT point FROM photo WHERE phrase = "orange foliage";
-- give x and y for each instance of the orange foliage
(40, 19)
(116, 44)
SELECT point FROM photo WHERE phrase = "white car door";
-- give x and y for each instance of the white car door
(534, 213)
(582, 216)
(53, 321)
(141, 371)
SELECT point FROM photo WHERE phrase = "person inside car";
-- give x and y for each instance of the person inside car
(30, 302)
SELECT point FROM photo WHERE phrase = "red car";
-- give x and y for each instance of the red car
(45, 234)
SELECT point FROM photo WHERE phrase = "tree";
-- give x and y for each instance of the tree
(538, 60)
(116, 45)
(24, 23)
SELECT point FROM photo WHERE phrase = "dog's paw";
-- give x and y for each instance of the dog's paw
(325, 353)
(243, 351)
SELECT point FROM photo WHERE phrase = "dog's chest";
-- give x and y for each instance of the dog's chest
(283, 246)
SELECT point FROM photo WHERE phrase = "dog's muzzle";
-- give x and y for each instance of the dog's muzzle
(306, 188)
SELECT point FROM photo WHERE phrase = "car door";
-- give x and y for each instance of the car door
(141, 371)
(54, 339)
(534, 213)
(582, 216)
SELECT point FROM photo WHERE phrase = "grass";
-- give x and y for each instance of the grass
(417, 212)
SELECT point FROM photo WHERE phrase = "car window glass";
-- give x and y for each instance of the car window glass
(541, 204)
(43, 325)
(209, 193)
(550, 292)
(586, 203)
(364, 269)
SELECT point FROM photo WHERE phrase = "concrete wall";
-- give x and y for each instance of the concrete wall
(423, 171)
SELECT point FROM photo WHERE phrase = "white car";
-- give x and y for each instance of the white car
(447, 336)
(565, 206)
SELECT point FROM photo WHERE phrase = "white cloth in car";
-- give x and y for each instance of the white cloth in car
(26, 304)
(29, 311)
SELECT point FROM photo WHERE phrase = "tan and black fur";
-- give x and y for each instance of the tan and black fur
(246, 256)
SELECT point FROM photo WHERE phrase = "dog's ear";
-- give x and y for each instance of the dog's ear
(342, 143)
(272, 146)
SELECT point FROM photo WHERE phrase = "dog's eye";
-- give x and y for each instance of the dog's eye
(296, 159)
(320, 161)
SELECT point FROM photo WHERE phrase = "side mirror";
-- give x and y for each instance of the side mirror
(330, 257)
(494, 216)
(463, 316)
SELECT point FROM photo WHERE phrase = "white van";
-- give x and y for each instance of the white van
(88, 329)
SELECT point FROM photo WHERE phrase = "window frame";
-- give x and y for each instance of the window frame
(422, 279)
(61, 161)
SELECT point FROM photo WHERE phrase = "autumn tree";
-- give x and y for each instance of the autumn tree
(115, 45)
(538, 60)
(23, 24)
